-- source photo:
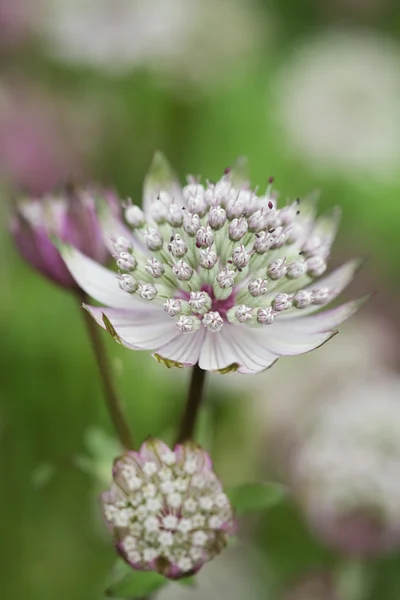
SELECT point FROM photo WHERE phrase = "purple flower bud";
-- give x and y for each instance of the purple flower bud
(72, 216)
(167, 510)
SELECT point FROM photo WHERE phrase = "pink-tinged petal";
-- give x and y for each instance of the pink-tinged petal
(284, 341)
(184, 349)
(97, 281)
(235, 345)
(138, 329)
(37, 249)
(323, 321)
(160, 177)
(336, 282)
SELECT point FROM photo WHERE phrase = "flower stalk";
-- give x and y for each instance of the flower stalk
(111, 397)
(194, 399)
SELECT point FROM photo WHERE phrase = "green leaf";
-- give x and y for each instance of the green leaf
(135, 584)
(252, 497)
(187, 581)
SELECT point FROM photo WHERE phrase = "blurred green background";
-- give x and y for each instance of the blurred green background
(309, 91)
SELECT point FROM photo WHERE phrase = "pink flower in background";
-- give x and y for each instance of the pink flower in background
(15, 22)
(167, 510)
(42, 140)
(71, 216)
(217, 275)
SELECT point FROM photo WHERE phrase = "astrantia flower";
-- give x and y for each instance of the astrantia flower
(70, 216)
(217, 275)
(346, 470)
(166, 509)
(338, 102)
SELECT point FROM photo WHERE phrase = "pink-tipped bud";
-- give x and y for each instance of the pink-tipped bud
(70, 216)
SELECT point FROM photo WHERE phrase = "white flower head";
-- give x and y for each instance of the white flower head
(174, 36)
(167, 531)
(239, 302)
(338, 102)
(346, 470)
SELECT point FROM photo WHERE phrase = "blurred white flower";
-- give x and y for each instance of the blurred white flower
(364, 350)
(338, 102)
(196, 37)
(346, 469)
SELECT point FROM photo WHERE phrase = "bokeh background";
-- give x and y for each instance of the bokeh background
(309, 91)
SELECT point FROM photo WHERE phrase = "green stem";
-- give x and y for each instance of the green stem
(194, 398)
(110, 394)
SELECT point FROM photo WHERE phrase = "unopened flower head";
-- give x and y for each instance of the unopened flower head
(346, 470)
(167, 510)
(231, 287)
(72, 216)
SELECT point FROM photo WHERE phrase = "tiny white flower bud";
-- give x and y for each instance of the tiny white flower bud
(126, 262)
(287, 214)
(154, 267)
(265, 316)
(188, 324)
(258, 220)
(177, 246)
(241, 257)
(316, 266)
(263, 242)
(175, 215)
(153, 239)
(213, 321)
(127, 283)
(226, 278)
(208, 258)
(296, 269)
(237, 229)
(243, 313)
(273, 219)
(172, 307)
(159, 211)
(302, 299)
(277, 269)
(200, 301)
(257, 287)
(197, 205)
(134, 216)
(182, 270)
(191, 222)
(204, 237)
(321, 295)
(235, 207)
(121, 244)
(282, 302)
(147, 291)
(278, 237)
(217, 217)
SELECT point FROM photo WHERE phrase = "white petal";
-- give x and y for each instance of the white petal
(284, 341)
(323, 321)
(184, 349)
(327, 225)
(97, 281)
(139, 329)
(336, 282)
(160, 177)
(235, 344)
